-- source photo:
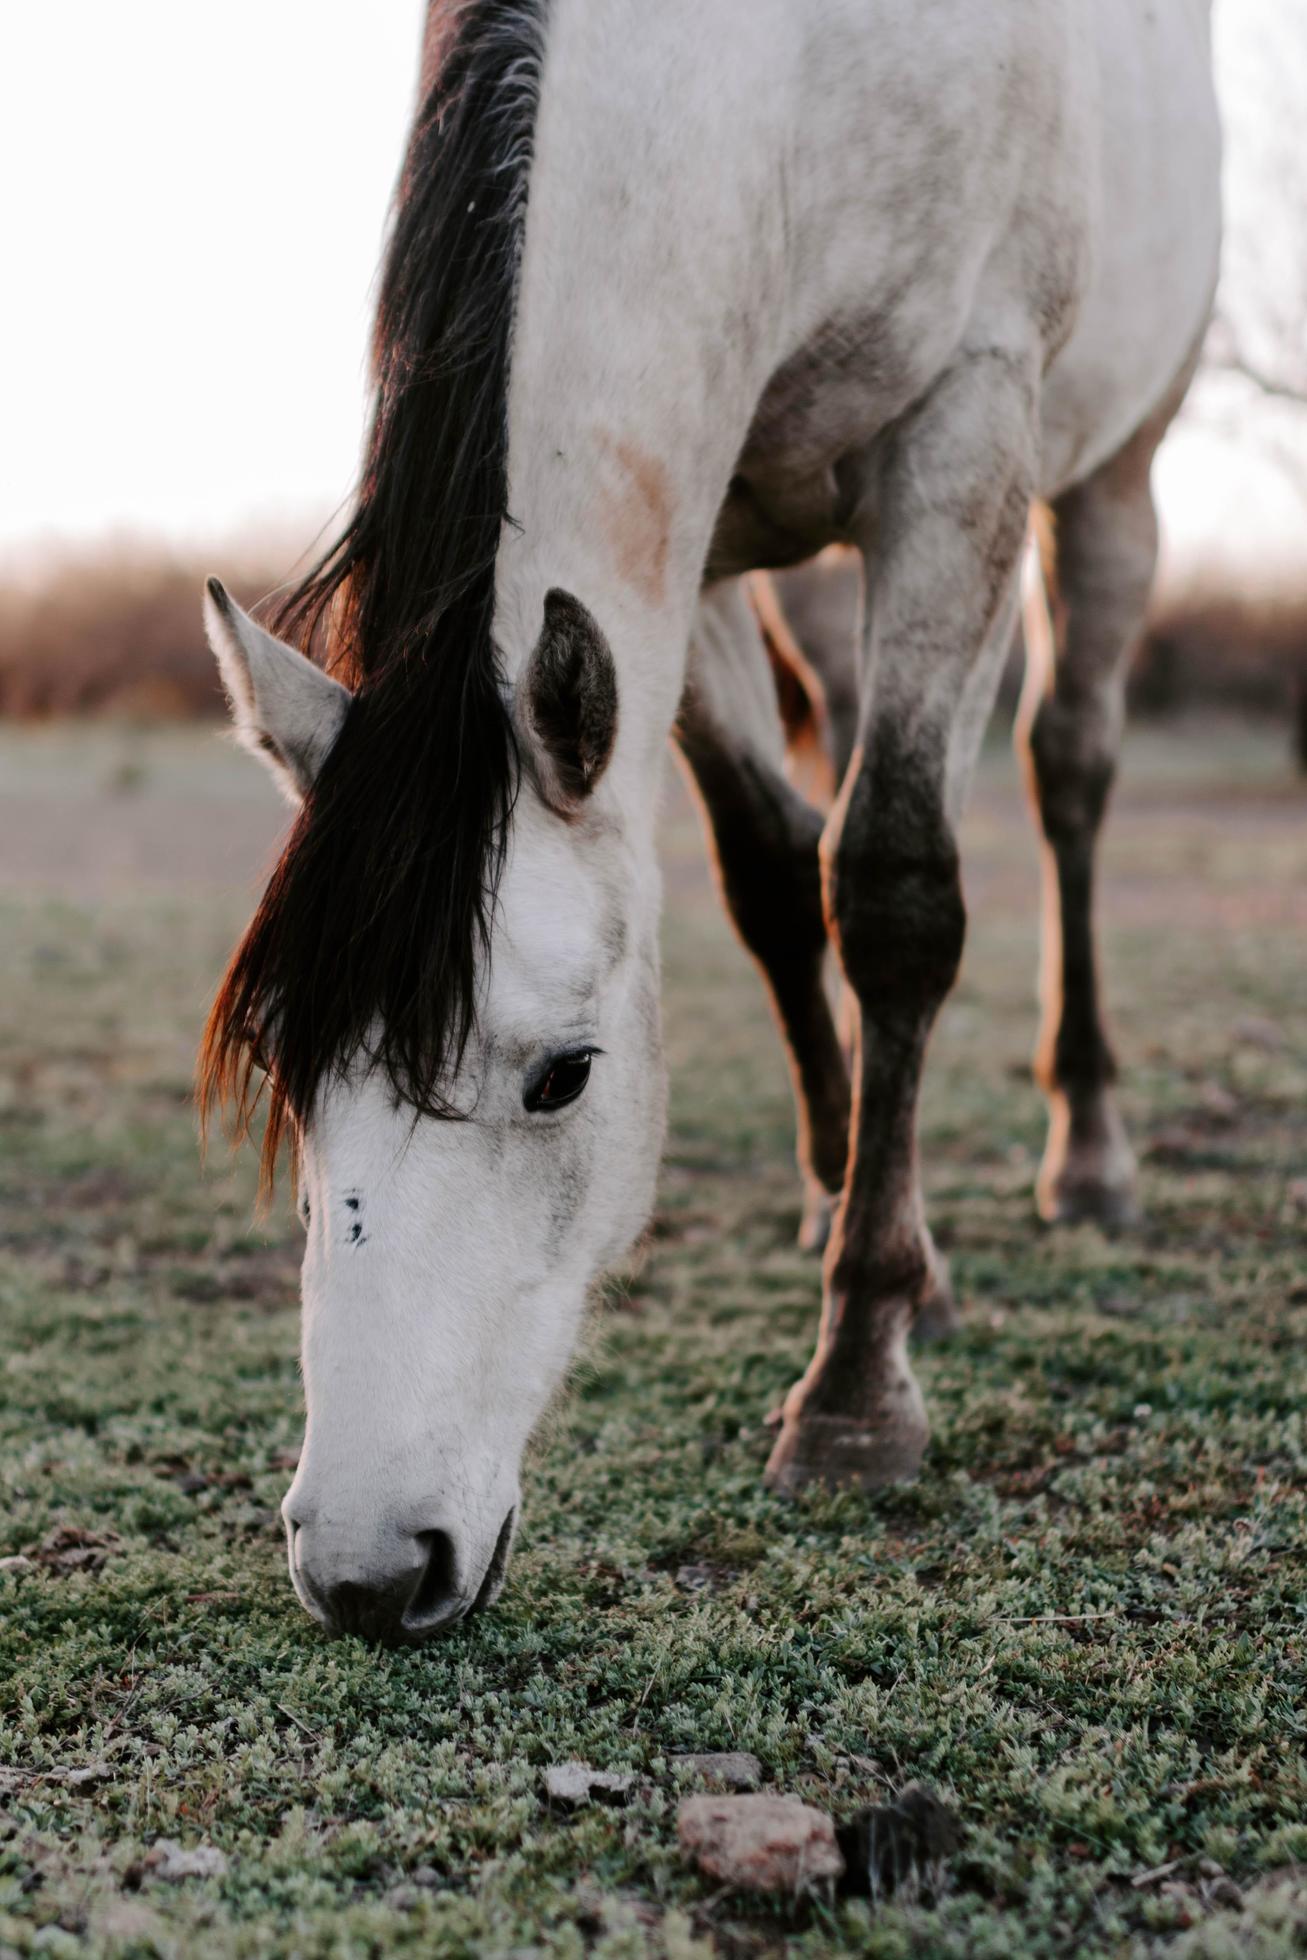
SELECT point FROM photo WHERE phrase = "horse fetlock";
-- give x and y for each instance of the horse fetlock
(1073, 749)
(1088, 1173)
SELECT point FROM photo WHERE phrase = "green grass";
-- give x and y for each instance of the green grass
(1119, 1439)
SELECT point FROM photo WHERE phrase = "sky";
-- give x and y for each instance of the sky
(193, 209)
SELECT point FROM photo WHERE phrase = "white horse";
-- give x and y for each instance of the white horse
(675, 292)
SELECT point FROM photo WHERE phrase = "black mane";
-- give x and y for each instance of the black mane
(367, 934)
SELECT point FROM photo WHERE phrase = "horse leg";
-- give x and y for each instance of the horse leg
(1099, 552)
(763, 841)
(810, 765)
(953, 495)
(821, 601)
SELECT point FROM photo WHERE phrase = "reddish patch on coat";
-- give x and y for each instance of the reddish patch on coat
(637, 517)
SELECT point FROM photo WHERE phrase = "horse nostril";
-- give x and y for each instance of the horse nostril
(374, 1612)
(437, 1597)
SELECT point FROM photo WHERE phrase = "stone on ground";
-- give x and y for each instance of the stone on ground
(574, 1784)
(760, 1843)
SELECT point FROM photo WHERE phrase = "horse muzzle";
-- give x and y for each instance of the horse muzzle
(398, 1588)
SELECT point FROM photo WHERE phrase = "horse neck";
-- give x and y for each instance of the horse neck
(650, 304)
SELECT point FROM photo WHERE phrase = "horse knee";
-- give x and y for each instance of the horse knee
(1072, 748)
(894, 896)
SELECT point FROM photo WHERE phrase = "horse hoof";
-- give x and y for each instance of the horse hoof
(1088, 1174)
(840, 1454)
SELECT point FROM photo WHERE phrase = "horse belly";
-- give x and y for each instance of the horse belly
(804, 464)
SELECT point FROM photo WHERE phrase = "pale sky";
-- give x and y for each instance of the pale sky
(192, 212)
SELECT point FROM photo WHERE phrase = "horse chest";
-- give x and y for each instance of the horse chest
(804, 462)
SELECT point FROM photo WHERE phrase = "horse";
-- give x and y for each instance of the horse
(673, 295)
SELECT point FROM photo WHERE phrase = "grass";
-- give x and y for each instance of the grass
(1084, 1625)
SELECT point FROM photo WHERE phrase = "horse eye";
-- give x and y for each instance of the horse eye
(562, 1082)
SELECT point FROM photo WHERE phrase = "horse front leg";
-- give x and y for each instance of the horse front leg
(951, 510)
(763, 845)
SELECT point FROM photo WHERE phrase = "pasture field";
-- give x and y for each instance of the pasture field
(1085, 1626)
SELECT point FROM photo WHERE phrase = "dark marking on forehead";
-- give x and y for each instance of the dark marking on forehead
(356, 1235)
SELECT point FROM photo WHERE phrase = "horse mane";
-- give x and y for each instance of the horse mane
(367, 935)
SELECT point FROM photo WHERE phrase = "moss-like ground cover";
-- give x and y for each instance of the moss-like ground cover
(1084, 1626)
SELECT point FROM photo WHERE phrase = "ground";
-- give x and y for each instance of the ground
(1083, 1627)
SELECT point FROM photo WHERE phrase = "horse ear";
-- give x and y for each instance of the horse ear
(285, 709)
(568, 698)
